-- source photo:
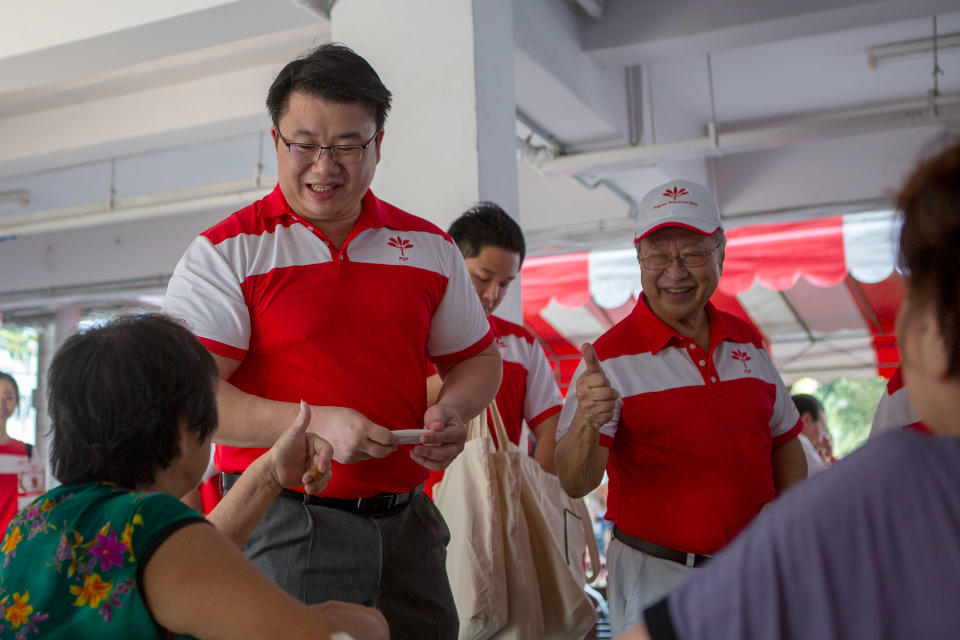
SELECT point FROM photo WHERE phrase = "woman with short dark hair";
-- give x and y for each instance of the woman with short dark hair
(112, 553)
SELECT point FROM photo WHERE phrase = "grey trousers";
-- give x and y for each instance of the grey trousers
(396, 563)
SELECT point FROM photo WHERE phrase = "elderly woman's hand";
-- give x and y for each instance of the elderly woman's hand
(300, 458)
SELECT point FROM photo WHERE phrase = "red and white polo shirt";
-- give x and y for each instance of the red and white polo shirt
(528, 390)
(693, 432)
(894, 410)
(343, 328)
(14, 466)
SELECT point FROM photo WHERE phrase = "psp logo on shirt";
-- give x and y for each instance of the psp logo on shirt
(402, 244)
(743, 357)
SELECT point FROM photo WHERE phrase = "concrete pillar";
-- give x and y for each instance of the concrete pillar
(450, 138)
(45, 349)
(52, 335)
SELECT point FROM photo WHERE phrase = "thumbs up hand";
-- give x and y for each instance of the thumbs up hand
(590, 358)
(596, 399)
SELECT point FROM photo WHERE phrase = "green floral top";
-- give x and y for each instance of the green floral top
(70, 562)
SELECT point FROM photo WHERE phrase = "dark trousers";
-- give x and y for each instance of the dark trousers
(396, 563)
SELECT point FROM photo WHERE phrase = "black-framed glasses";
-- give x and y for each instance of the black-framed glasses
(660, 261)
(341, 153)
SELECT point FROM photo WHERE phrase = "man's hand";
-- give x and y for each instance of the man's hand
(438, 448)
(300, 458)
(362, 623)
(596, 399)
(353, 436)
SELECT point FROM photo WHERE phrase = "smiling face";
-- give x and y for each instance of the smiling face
(8, 400)
(324, 192)
(492, 271)
(678, 294)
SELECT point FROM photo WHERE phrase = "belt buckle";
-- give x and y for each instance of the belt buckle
(388, 502)
(377, 504)
(691, 560)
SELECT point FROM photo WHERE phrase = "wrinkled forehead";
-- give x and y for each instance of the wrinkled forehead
(679, 237)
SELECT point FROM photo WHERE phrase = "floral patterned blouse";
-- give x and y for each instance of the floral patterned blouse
(71, 562)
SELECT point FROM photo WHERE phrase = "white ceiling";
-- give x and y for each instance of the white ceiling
(157, 98)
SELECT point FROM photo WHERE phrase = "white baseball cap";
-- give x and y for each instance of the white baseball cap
(678, 203)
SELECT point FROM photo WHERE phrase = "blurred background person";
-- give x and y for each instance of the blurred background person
(815, 436)
(14, 455)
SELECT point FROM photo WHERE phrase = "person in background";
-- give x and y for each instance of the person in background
(493, 248)
(14, 455)
(894, 410)
(814, 438)
(871, 549)
(682, 406)
(323, 292)
(112, 552)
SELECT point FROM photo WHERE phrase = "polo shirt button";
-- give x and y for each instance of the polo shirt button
(703, 363)
(713, 378)
(692, 346)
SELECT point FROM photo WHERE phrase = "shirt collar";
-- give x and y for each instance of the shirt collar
(653, 334)
(724, 326)
(372, 214)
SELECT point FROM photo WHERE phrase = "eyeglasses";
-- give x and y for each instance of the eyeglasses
(660, 261)
(341, 153)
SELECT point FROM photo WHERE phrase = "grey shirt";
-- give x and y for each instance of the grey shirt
(867, 549)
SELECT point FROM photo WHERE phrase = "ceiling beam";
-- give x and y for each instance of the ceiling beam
(632, 32)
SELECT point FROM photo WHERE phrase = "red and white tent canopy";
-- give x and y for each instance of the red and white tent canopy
(824, 293)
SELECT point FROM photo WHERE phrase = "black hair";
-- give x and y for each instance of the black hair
(120, 392)
(333, 72)
(808, 404)
(9, 378)
(930, 205)
(487, 225)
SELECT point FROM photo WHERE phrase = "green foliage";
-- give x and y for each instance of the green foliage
(849, 406)
(20, 343)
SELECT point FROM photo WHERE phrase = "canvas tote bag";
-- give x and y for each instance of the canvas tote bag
(545, 574)
(471, 501)
(516, 542)
(560, 530)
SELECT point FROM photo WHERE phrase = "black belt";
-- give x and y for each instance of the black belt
(655, 550)
(382, 504)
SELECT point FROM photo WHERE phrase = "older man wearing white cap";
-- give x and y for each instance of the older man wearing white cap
(680, 404)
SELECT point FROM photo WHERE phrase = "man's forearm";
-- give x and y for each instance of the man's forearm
(580, 459)
(246, 420)
(789, 465)
(471, 384)
(546, 433)
(243, 506)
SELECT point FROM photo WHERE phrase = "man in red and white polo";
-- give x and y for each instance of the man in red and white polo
(325, 293)
(680, 404)
(493, 247)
